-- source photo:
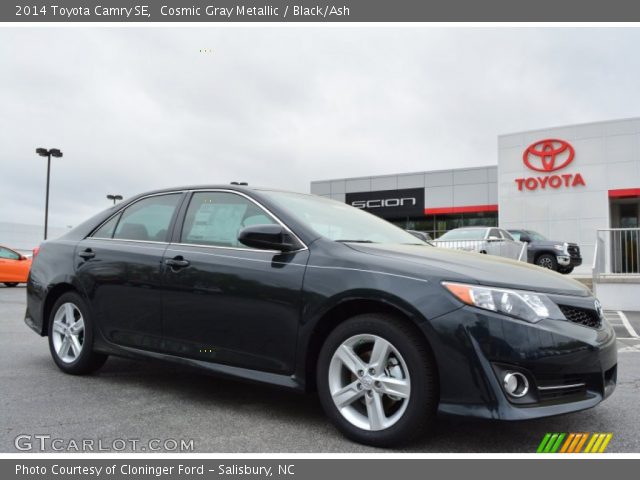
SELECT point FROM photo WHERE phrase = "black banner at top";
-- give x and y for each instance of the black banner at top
(223, 11)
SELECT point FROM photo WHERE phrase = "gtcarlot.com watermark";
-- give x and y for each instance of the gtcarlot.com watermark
(26, 442)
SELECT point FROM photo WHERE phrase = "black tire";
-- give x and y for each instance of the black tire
(547, 260)
(11, 284)
(423, 398)
(565, 270)
(87, 361)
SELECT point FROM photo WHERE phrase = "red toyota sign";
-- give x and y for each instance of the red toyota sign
(548, 156)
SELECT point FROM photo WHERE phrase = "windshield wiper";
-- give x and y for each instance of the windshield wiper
(355, 241)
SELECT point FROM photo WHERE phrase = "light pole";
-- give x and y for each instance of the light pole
(115, 198)
(52, 152)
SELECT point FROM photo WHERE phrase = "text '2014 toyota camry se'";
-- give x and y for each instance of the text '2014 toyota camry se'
(312, 294)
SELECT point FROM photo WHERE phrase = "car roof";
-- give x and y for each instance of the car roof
(216, 186)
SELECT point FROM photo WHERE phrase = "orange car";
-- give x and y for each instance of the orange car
(14, 267)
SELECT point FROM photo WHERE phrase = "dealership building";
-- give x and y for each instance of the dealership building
(564, 182)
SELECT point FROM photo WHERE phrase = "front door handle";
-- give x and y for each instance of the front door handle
(87, 254)
(177, 262)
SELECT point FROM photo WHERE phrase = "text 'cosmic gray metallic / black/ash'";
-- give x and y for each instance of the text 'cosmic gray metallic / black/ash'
(311, 294)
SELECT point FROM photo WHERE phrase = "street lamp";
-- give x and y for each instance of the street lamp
(52, 152)
(115, 198)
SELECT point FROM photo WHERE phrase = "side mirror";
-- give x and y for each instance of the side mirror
(493, 238)
(525, 238)
(268, 237)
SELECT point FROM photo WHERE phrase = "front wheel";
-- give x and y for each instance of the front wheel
(547, 260)
(71, 336)
(377, 380)
(11, 284)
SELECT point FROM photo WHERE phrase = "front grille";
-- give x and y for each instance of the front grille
(573, 250)
(581, 316)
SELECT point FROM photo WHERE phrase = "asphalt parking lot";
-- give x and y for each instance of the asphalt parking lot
(141, 401)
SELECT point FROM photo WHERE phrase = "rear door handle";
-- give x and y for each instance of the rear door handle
(177, 262)
(87, 254)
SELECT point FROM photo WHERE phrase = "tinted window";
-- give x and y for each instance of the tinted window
(9, 254)
(106, 230)
(216, 218)
(536, 236)
(494, 232)
(148, 219)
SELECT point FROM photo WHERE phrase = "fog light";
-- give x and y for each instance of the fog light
(515, 384)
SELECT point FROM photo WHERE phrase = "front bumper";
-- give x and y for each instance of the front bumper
(569, 260)
(474, 348)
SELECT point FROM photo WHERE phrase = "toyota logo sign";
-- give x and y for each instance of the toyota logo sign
(548, 155)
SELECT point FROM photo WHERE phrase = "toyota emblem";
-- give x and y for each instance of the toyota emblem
(548, 155)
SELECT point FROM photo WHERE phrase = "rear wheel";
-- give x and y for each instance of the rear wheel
(377, 380)
(546, 260)
(11, 284)
(71, 336)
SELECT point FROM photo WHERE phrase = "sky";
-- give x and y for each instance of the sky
(135, 109)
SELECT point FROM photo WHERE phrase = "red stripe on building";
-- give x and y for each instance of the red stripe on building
(624, 192)
(466, 209)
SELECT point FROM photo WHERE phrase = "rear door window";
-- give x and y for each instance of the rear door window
(107, 229)
(148, 219)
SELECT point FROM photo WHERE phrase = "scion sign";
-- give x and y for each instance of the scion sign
(389, 203)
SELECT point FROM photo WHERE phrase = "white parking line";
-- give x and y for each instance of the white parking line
(627, 325)
(613, 317)
(630, 349)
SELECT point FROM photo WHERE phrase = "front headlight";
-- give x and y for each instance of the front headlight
(529, 306)
(560, 248)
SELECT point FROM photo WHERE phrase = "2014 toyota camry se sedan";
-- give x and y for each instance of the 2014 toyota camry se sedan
(311, 294)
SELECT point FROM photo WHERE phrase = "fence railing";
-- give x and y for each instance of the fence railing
(501, 248)
(617, 252)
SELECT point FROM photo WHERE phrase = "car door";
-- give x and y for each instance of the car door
(13, 266)
(225, 302)
(494, 242)
(511, 248)
(119, 268)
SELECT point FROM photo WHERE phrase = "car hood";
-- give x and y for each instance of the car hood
(549, 243)
(478, 268)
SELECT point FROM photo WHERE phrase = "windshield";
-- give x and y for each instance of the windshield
(535, 235)
(464, 234)
(339, 222)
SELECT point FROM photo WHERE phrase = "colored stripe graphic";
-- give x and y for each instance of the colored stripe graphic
(592, 440)
(568, 442)
(574, 442)
(543, 443)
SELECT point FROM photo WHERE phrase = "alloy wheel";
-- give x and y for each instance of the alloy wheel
(545, 262)
(369, 382)
(68, 332)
